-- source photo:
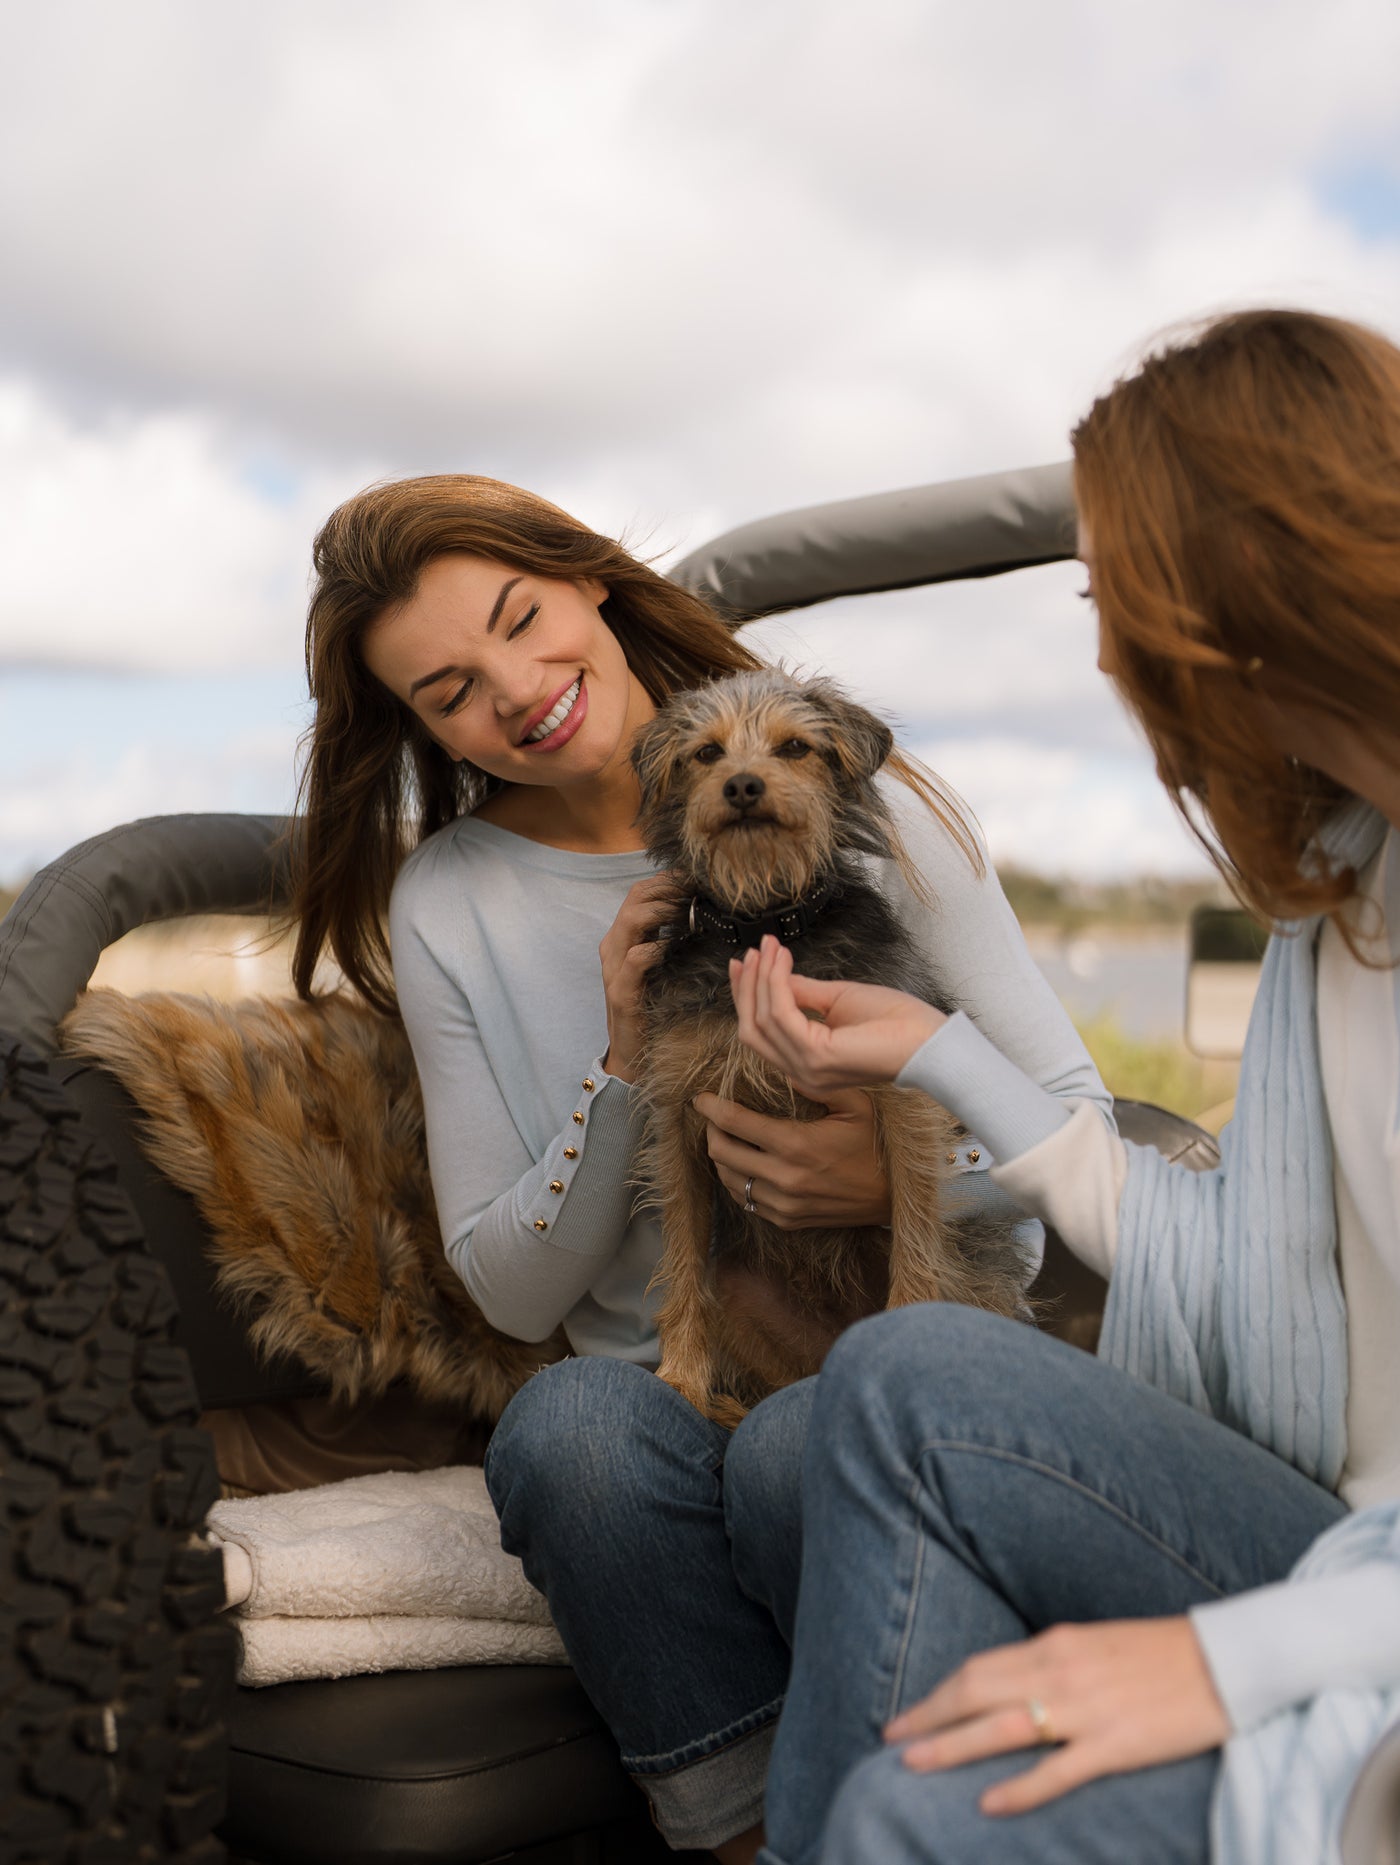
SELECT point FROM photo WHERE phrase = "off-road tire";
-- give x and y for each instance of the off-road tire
(115, 1673)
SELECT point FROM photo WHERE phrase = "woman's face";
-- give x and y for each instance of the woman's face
(519, 674)
(1367, 764)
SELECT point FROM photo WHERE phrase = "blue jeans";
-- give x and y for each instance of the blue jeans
(968, 1482)
(669, 1553)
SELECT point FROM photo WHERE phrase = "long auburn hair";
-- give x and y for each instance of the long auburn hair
(1242, 492)
(374, 784)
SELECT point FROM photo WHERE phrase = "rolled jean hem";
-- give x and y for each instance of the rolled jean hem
(699, 1806)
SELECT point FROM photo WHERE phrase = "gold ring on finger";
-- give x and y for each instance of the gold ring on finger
(1040, 1721)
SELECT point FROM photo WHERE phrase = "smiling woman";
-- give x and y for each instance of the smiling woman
(480, 665)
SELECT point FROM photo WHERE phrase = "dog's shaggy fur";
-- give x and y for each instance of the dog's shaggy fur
(298, 1130)
(758, 791)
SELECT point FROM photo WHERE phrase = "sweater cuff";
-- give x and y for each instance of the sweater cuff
(571, 1197)
(972, 1078)
(1280, 1645)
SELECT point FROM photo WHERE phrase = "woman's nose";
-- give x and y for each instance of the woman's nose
(512, 689)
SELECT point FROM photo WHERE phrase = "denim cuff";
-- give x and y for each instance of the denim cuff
(699, 1806)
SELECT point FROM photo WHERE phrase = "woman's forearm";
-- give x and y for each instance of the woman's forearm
(536, 1250)
(1060, 1161)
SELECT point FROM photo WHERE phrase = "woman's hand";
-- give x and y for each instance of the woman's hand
(1125, 1694)
(803, 1173)
(867, 1033)
(628, 952)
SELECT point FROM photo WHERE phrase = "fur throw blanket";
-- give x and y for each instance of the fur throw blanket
(298, 1130)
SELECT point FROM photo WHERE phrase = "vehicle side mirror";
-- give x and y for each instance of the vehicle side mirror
(1222, 975)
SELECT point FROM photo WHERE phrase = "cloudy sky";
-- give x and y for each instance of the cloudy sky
(673, 263)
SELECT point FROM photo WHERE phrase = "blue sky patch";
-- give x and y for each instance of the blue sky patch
(1367, 196)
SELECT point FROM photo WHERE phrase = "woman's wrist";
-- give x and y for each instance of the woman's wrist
(621, 1068)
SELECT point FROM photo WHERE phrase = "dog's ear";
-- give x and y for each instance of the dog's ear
(653, 759)
(860, 743)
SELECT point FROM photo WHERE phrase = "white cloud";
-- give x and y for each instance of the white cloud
(142, 540)
(675, 266)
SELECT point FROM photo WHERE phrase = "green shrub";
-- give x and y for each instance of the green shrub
(1161, 1071)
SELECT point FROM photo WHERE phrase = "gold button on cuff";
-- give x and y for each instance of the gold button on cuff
(577, 1118)
(556, 1185)
(973, 1156)
(541, 1223)
(571, 1152)
(952, 1159)
(588, 1083)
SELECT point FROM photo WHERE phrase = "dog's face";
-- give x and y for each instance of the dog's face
(752, 785)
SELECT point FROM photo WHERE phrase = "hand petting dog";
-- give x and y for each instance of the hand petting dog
(866, 1034)
(799, 1174)
(628, 952)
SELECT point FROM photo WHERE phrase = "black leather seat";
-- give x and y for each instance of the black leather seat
(429, 1765)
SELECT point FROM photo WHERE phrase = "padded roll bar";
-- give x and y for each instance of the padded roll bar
(893, 540)
(162, 867)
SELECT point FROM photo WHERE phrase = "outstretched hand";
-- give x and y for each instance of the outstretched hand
(866, 1034)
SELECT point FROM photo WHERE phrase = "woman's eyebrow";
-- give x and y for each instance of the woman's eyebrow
(441, 673)
(495, 614)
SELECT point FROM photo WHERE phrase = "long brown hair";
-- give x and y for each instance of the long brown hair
(374, 784)
(1242, 494)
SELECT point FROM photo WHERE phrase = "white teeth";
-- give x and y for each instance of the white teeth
(563, 706)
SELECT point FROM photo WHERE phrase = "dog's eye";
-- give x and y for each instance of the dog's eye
(794, 748)
(708, 753)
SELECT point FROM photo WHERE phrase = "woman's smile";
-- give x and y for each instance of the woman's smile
(555, 725)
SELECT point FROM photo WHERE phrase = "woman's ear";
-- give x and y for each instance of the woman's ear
(595, 589)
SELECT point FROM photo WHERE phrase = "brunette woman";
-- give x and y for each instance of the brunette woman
(480, 662)
(1010, 1547)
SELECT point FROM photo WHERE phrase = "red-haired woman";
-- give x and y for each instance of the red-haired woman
(1040, 1592)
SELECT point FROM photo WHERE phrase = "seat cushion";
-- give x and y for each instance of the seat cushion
(462, 1764)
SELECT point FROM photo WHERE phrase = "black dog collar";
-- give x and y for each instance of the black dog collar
(786, 922)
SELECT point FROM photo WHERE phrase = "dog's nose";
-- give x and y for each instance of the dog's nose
(743, 791)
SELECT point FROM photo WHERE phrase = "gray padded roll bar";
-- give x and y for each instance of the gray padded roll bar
(893, 540)
(160, 868)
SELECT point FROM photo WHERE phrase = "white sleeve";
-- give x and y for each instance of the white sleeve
(974, 946)
(527, 1253)
(1058, 1159)
(1280, 1645)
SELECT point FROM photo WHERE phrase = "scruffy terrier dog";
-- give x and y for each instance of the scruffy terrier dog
(758, 794)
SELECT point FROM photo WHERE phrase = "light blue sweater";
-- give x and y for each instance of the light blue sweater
(1226, 1293)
